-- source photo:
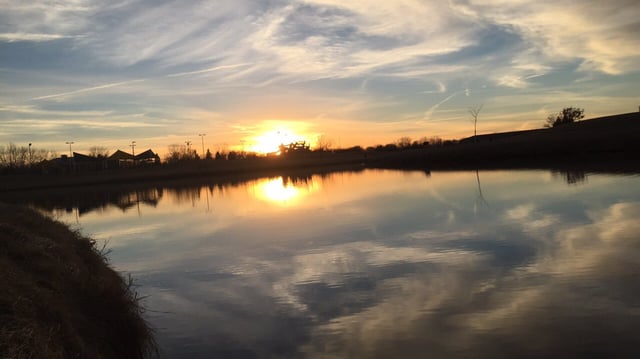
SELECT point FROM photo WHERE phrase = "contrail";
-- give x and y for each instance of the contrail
(429, 112)
(88, 89)
(223, 67)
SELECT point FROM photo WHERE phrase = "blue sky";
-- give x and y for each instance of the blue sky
(358, 72)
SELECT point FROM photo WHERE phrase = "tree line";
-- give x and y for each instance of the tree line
(14, 156)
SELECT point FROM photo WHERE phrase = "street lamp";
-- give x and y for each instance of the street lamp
(202, 137)
(133, 146)
(70, 143)
(30, 157)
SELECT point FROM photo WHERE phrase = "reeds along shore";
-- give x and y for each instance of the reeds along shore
(58, 296)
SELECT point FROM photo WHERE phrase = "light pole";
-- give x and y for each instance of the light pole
(30, 157)
(70, 143)
(133, 146)
(202, 138)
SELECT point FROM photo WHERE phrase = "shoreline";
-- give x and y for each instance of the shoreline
(254, 169)
(605, 141)
(60, 298)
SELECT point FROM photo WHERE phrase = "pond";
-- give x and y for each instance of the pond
(383, 264)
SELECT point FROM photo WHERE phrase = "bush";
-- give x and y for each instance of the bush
(566, 116)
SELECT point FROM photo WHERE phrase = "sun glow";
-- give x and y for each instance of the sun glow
(284, 191)
(269, 142)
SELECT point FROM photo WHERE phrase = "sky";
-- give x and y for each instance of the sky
(109, 72)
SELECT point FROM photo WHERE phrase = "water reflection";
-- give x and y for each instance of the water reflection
(285, 190)
(389, 264)
(572, 177)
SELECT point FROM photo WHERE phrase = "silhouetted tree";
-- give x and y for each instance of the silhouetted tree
(208, 156)
(567, 115)
(404, 142)
(571, 177)
(99, 152)
(14, 156)
(474, 113)
(435, 141)
(179, 153)
(324, 143)
(390, 147)
(422, 142)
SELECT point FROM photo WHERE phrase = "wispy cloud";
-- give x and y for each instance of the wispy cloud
(88, 89)
(314, 60)
(441, 88)
(429, 113)
(38, 123)
(13, 37)
(210, 69)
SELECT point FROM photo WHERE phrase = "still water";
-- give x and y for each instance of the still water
(384, 264)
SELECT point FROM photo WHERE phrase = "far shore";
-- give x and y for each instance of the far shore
(610, 143)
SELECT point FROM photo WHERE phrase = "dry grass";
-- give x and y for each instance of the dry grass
(58, 296)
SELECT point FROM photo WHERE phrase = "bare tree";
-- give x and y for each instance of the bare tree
(98, 151)
(177, 153)
(14, 156)
(404, 142)
(474, 113)
(21, 156)
(39, 155)
(324, 143)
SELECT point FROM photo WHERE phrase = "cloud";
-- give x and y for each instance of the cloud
(600, 35)
(210, 69)
(429, 113)
(466, 308)
(32, 110)
(34, 124)
(326, 61)
(43, 20)
(441, 88)
(13, 37)
(88, 89)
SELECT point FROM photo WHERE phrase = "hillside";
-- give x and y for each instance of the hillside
(601, 127)
(610, 138)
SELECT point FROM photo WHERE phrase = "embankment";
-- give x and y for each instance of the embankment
(611, 139)
(58, 296)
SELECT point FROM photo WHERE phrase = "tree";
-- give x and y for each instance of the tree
(98, 152)
(474, 113)
(567, 115)
(324, 143)
(404, 142)
(14, 156)
(178, 153)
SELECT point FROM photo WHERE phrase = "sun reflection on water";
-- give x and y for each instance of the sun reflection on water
(284, 191)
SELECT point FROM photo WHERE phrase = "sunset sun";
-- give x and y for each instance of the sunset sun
(269, 142)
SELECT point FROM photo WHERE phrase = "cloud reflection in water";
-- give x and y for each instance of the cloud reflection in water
(389, 264)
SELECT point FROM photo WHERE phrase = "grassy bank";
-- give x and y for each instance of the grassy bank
(58, 296)
(605, 139)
